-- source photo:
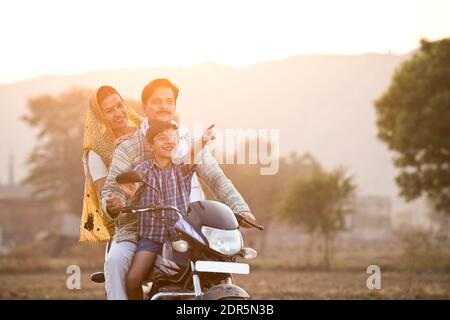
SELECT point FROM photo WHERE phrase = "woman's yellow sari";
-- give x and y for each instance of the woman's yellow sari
(99, 137)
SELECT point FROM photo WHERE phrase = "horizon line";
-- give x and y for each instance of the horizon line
(206, 62)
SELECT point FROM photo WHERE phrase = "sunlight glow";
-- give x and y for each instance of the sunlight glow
(58, 37)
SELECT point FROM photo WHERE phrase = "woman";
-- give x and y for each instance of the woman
(109, 120)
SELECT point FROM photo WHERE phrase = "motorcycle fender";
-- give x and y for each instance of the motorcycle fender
(222, 291)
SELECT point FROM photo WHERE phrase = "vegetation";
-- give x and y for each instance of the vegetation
(320, 202)
(413, 118)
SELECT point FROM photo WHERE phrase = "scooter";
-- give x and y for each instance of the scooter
(200, 265)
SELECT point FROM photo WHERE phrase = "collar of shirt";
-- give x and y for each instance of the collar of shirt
(144, 126)
(153, 163)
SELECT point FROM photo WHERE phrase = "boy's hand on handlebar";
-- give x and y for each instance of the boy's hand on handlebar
(246, 216)
(114, 204)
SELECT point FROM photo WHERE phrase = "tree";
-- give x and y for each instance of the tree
(56, 170)
(319, 203)
(413, 118)
(263, 193)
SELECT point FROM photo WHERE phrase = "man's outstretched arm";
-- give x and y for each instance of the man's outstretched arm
(223, 189)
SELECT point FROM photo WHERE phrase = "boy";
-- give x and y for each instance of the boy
(174, 183)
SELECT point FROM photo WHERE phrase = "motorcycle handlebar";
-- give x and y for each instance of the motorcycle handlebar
(254, 225)
(134, 209)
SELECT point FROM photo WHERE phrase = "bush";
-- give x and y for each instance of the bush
(423, 251)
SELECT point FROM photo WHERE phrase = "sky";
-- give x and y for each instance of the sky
(64, 37)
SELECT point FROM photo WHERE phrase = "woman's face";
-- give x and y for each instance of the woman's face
(115, 112)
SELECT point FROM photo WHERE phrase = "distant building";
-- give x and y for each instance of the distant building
(25, 219)
(413, 214)
(6, 244)
(371, 219)
(12, 190)
(15, 192)
(66, 224)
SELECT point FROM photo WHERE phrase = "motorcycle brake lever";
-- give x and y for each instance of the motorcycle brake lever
(254, 225)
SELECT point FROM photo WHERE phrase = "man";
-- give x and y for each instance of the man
(159, 100)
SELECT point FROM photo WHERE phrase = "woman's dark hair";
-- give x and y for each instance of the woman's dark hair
(150, 88)
(104, 92)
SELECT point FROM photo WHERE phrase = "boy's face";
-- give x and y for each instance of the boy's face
(164, 143)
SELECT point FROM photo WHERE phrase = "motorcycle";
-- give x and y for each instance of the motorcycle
(200, 265)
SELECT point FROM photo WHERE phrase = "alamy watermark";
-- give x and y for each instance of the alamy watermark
(73, 281)
(374, 280)
(244, 146)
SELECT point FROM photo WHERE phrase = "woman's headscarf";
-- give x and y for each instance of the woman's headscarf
(99, 137)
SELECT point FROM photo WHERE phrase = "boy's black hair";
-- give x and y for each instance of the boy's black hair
(157, 127)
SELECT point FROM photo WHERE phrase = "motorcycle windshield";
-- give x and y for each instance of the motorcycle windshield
(212, 214)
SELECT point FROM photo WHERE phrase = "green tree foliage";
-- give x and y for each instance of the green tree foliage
(413, 118)
(263, 193)
(319, 202)
(56, 170)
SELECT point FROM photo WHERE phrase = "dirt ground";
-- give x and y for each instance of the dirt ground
(260, 284)
(287, 271)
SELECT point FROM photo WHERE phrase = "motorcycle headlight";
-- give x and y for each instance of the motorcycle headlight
(226, 242)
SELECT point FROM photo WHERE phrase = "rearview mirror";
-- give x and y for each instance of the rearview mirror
(129, 177)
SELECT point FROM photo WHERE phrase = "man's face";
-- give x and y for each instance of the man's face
(161, 105)
(164, 143)
(115, 112)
